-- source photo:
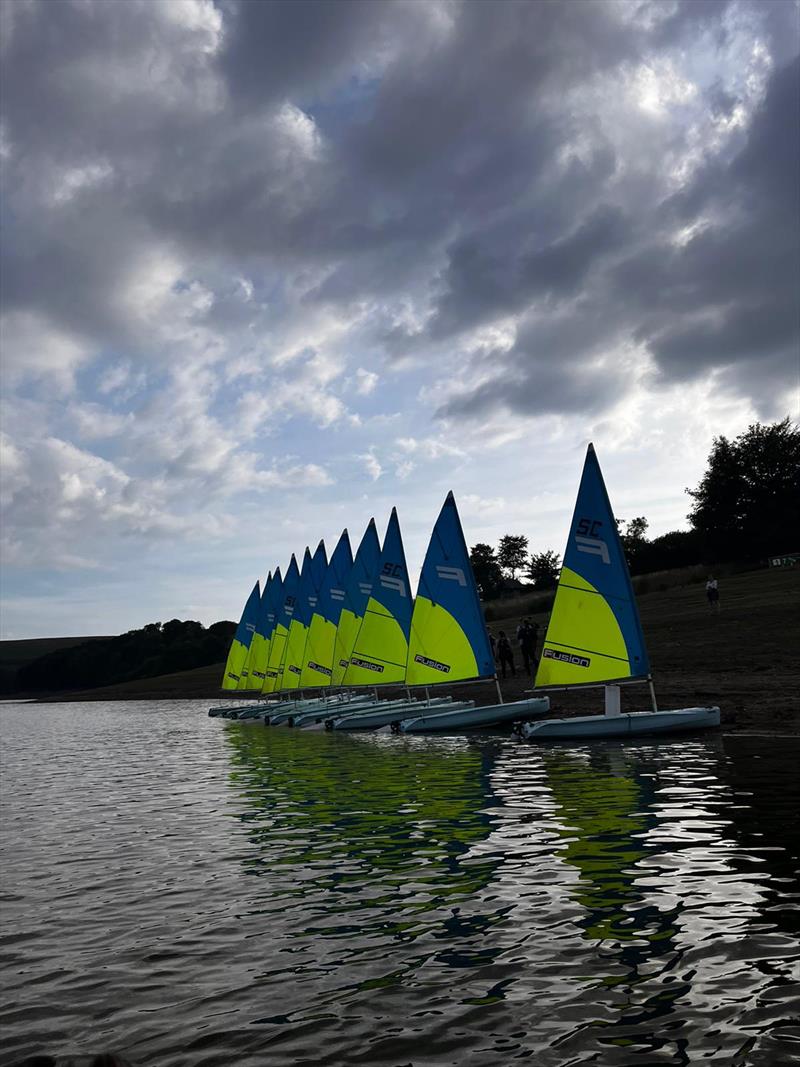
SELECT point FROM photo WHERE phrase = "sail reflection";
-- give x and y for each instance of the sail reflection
(665, 888)
(326, 814)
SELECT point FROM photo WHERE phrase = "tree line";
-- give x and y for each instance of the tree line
(146, 653)
(745, 509)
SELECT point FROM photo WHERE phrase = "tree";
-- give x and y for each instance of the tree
(544, 569)
(634, 541)
(486, 569)
(512, 552)
(747, 505)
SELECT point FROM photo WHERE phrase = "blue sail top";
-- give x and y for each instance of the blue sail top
(449, 639)
(261, 618)
(274, 599)
(594, 633)
(319, 568)
(291, 585)
(392, 587)
(331, 595)
(302, 609)
(363, 572)
(247, 623)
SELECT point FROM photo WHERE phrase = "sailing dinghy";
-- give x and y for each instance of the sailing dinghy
(594, 637)
(449, 642)
(240, 647)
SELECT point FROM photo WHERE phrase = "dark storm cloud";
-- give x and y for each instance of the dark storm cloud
(738, 280)
(726, 300)
(429, 179)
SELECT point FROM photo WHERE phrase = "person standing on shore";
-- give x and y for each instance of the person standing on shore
(493, 643)
(531, 639)
(712, 592)
(505, 654)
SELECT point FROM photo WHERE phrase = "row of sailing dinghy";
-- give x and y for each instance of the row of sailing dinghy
(347, 627)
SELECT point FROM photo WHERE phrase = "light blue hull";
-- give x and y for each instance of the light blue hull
(380, 717)
(475, 718)
(634, 724)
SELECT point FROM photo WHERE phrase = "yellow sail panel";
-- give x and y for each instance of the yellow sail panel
(346, 634)
(381, 650)
(584, 642)
(295, 647)
(257, 663)
(277, 647)
(439, 650)
(234, 665)
(320, 650)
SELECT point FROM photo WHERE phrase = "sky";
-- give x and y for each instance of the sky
(270, 269)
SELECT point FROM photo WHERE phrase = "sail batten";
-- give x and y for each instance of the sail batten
(594, 634)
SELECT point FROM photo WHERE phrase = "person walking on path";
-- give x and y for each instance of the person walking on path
(505, 654)
(493, 643)
(712, 593)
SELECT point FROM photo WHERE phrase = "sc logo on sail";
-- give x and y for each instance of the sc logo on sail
(390, 578)
(586, 539)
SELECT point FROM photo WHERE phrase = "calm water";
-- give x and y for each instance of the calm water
(190, 891)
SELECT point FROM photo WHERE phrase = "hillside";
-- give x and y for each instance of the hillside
(15, 654)
(743, 658)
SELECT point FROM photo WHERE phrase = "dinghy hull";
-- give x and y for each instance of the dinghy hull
(458, 720)
(633, 724)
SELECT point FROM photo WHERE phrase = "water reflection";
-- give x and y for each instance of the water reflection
(327, 816)
(188, 891)
(671, 901)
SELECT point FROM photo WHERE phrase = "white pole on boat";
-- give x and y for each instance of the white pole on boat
(652, 692)
(612, 695)
(499, 691)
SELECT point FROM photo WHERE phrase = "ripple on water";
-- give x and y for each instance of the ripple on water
(188, 890)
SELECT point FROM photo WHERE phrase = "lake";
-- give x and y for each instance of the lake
(186, 890)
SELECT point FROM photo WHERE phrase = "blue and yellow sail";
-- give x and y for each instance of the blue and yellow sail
(594, 633)
(246, 677)
(321, 641)
(240, 645)
(259, 647)
(449, 641)
(357, 591)
(380, 652)
(311, 578)
(277, 645)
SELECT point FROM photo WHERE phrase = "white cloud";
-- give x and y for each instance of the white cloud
(366, 380)
(33, 348)
(371, 465)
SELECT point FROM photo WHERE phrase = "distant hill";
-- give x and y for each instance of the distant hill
(70, 664)
(14, 654)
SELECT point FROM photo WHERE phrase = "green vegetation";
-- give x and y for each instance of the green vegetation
(747, 505)
(154, 650)
(746, 508)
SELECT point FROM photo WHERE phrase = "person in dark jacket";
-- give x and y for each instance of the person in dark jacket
(505, 654)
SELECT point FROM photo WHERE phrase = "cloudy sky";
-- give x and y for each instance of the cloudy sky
(270, 268)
